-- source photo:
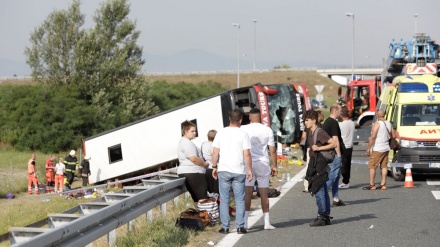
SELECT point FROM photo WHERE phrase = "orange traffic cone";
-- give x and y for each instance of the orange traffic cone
(408, 179)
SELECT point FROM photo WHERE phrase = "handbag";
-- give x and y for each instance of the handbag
(193, 219)
(210, 205)
(394, 144)
(329, 155)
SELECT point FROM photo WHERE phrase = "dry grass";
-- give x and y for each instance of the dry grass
(310, 78)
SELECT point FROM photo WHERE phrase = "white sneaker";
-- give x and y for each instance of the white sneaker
(344, 186)
(269, 227)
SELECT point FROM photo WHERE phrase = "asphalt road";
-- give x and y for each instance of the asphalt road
(398, 216)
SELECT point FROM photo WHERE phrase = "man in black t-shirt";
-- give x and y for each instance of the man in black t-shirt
(331, 126)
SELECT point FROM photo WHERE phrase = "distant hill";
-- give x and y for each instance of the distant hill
(184, 61)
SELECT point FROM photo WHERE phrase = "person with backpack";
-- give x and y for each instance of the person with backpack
(317, 174)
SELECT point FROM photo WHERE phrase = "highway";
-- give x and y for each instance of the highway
(398, 216)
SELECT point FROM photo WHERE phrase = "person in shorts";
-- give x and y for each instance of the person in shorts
(378, 149)
(262, 144)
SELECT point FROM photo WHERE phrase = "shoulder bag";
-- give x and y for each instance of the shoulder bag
(394, 144)
(329, 155)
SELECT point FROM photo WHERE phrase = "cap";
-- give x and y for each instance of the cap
(72, 152)
(87, 157)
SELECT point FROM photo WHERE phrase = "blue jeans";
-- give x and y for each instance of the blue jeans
(226, 180)
(323, 200)
(334, 175)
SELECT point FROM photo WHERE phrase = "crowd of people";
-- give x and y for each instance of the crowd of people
(237, 157)
(58, 176)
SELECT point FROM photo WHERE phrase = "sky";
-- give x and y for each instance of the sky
(293, 32)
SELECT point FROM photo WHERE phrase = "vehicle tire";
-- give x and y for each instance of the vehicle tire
(397, 173)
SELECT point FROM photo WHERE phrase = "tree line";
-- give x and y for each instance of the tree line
(88, 81)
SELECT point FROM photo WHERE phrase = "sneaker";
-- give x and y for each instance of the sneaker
(223, 230)
(369, 187)
(327, 220)
(269, 227)
(319, 221)
(338, 203)
(344, 186)
(382, 187)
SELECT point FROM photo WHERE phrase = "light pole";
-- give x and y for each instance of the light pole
(415, 22)
(238, 54)
(255, 40)
(352, 45)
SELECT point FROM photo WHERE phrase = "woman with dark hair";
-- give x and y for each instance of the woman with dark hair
(191, 166)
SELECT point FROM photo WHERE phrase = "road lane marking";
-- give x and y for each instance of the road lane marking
(232, 238)
(436, 194)
(433, 181)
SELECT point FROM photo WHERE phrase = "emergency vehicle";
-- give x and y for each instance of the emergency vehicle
(412, 105)
(351, 97)
(150, 143)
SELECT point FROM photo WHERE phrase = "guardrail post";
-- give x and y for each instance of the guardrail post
(176, 201)
(187, 195)
(89, 245)
(131, 225)
(163, 208)
(150, 215)
(111, 238)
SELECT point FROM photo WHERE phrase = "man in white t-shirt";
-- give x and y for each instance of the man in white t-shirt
(233, 146)
(262, 142)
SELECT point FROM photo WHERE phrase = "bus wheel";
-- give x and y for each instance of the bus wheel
(397, 173)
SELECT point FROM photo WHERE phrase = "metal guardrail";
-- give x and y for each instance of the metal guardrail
(92, 220)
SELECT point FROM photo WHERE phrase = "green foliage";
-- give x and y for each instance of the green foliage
(283, 66)
(44, 118)
(50, 55)
(167, 95)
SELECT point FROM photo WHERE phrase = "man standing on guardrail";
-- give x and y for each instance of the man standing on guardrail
(233, 146)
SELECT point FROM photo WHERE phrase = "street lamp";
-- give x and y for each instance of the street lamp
(238, 54)
(255, 40)
(352, 46)
(415, 22)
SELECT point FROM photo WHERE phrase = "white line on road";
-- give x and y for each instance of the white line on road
(433, 181)
(436, 194)
(232, 238)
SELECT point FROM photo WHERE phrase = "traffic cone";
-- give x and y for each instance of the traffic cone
(408, 179)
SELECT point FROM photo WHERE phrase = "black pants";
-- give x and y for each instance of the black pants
(85, 181)
(346, 165)
(212, 183)
(69, 176)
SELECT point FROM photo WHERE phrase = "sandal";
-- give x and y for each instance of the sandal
(382, 187)
(369, 187)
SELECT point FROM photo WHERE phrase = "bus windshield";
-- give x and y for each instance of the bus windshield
(283, 113)
(420, 114)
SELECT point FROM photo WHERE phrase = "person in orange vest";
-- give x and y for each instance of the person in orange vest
(32, 175)
(50, 171)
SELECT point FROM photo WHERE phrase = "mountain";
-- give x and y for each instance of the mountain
(192, 60)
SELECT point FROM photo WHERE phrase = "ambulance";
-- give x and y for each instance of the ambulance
(412, 105)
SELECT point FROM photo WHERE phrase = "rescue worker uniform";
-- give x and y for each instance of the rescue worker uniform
(32, 177)
(50, 172)
(85, 170)
(71, 162)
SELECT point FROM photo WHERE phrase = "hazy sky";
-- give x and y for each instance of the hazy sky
(287, 30)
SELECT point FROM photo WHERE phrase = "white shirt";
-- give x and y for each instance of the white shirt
(59, 168)
(206, 150)
(231, 141)
(260, 137)
(347, 132)
(185, 149)
(381, 143)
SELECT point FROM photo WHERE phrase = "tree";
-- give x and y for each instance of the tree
(109, 63)
(51, 55)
